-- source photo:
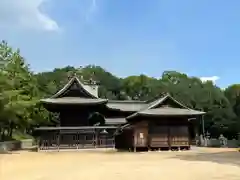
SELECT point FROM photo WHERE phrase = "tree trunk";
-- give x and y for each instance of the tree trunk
(10, 132)
(10, 129)
(1, 129)
(3, 134)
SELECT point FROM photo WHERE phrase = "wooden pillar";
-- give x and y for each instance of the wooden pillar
(148, 142)
(96, 138)
(135, 142)
(203, 126)
(169, 137)
(77, 140)
(239, 139)
(38, 144)
(58, 139)
(196, 132)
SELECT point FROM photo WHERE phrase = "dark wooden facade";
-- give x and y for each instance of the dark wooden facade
(156, 133)
(85, 120)
(162, 133)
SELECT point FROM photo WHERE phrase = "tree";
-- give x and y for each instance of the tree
(233, 94)
(207, 97)
(18, 92)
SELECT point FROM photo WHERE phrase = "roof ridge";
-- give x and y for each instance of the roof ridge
(69, 83)
(150, 105)
(157, 97)
(157, 102)
(179, 103)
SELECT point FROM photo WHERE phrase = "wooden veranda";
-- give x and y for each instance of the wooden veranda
(56, 138)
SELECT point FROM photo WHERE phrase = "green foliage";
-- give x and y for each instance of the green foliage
(19, 135)
(20, 91)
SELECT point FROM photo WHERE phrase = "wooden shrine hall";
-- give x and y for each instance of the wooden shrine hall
(87, 121)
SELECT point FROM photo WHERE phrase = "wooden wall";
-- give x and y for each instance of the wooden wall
(158, 136)
(179, 136)
(141, 134)
(78, 115)
(161, 133)
(169, 132)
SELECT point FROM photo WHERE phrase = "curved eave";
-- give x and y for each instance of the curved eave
(115, 121)
(122, 109)
(77, 101)
(169, 112)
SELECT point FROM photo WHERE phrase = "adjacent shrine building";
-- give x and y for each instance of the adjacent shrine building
(87, 121)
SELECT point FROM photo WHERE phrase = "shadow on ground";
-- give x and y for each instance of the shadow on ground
(220, 157)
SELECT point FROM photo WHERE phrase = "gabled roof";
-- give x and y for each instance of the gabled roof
(153, 109)
(86, 94)
(70, 83)
(161, 100)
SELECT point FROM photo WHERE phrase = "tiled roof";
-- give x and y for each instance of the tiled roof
(128, 106)
(152, 110)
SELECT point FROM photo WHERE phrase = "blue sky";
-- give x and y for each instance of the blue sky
(128, 37)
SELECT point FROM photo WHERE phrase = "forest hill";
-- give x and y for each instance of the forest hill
(21, 90)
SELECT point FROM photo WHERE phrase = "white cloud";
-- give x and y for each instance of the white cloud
(25, 14)
(211, 78)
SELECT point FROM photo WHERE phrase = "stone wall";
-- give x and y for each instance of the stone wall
(216, 143)
(229, 143)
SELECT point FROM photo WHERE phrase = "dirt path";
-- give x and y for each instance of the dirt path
(205, 164)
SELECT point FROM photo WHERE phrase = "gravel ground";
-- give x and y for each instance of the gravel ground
(204, 163)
